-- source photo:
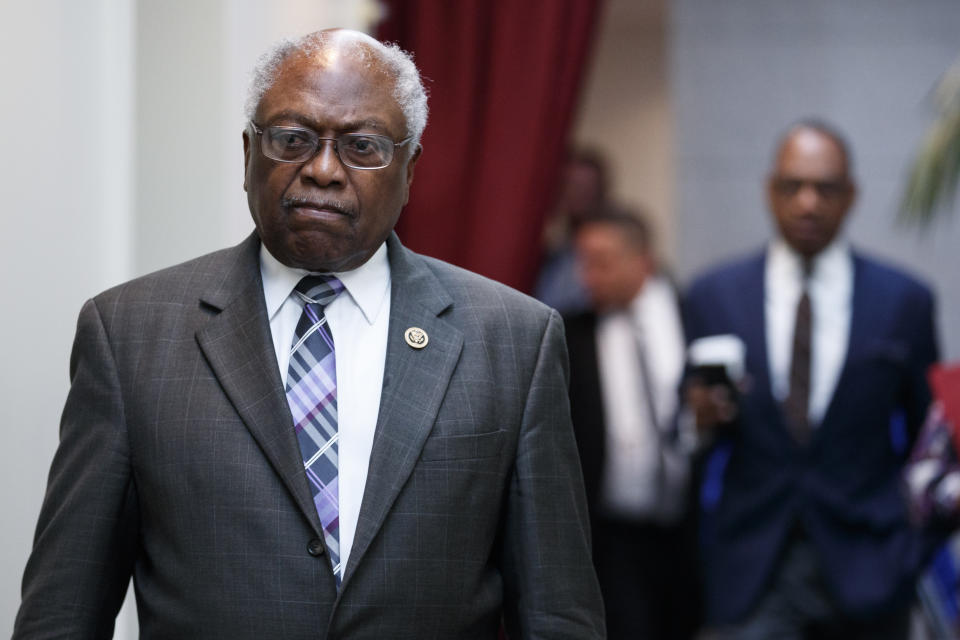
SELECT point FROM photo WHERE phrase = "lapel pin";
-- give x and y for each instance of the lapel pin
(416, 337)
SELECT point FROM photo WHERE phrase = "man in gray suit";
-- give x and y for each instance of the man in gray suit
(406, 469)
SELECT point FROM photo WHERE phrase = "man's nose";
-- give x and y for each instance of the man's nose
(808, 197)
(325, 166)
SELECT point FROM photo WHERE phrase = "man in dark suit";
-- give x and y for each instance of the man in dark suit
(379, 450)
(803, 526)
(626, 364)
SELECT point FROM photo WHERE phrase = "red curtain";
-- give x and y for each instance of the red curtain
(503, 78)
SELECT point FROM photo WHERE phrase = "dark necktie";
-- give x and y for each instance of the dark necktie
(648, 395)
(797, 405)
(312, 395)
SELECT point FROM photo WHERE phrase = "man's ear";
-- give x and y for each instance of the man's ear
(414, 156)
(247, 150)
(851, 195)
(647, 266)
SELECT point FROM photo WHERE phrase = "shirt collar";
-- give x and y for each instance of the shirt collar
(832, 261)
(367, 284)
(651, 294)
(643, 298)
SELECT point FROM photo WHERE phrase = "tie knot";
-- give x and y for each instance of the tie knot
(319, 290)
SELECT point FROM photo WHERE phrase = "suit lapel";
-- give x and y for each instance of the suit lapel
(754, 325)
(415, 381)
(863, 319)
(238, 345)
(755, 336)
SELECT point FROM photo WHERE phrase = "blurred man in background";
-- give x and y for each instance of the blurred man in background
(805, 533)
(626, 361)
(584, 188)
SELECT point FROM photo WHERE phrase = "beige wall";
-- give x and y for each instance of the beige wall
(625, 110)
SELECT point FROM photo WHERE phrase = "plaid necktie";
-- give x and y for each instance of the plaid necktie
(312, 395)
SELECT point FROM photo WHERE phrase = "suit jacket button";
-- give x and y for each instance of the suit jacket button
(315, 547)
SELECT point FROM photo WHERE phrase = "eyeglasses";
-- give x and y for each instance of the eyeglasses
(355, 150)
(826, 189)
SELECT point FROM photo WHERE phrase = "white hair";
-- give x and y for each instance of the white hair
(408, 89)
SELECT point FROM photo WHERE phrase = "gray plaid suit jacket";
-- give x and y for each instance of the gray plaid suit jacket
(178, 465)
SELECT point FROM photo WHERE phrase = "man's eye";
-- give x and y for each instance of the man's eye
(290, 139)
(830, 189)
(294, 140)
(361, 145)
(788, 186)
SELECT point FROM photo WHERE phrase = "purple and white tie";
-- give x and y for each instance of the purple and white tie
(312, 395)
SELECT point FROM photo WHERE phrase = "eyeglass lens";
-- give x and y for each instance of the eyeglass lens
(357, 150)
(827, 189)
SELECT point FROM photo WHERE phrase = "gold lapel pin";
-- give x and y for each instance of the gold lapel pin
(416, 337)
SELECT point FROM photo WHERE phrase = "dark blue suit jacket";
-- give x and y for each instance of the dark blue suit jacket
(843, 488)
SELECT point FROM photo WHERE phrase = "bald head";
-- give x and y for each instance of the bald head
(328, 46)
(824, 129)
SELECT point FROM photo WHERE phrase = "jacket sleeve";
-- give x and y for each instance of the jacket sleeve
(85, 542)
(550, 588)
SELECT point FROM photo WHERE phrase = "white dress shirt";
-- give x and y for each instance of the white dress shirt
(358, 318)
(641, 478)
(830, 288)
